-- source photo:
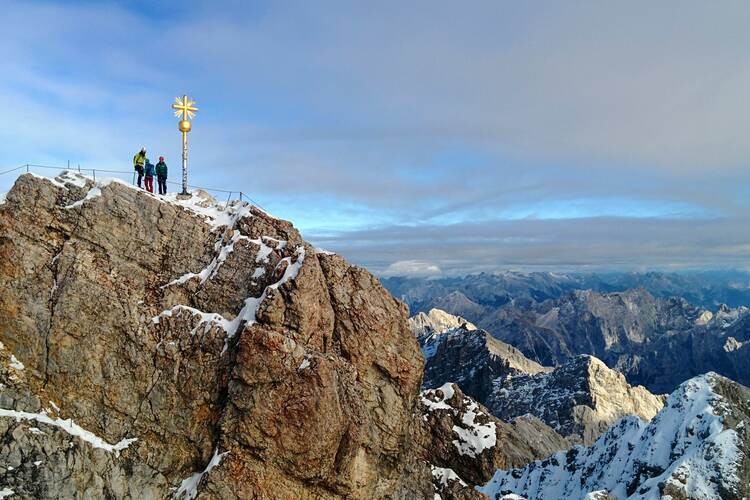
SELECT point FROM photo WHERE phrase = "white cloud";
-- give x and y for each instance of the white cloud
(415, 268)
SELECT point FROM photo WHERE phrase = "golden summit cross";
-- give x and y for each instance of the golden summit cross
(184, 106)
(185, 109)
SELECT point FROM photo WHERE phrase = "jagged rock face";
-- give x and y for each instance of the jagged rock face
(696, 447)
(655, 342)
(466, 444)
(586, 322)
(471, 358)
(219, 339)
(579, 399)
(721, 345)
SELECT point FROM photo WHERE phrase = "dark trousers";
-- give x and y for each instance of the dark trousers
(149, 181)
(162, 181)
(139, 169)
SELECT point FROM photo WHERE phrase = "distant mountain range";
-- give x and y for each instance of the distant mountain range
(656, 340)
(478, 294)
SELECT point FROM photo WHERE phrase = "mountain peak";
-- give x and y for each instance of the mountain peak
(436, 322)
(159, 344)
(580, 399)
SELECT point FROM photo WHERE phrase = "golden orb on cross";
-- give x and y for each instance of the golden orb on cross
(184, 126)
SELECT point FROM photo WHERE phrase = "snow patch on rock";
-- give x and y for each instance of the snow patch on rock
(474, 437)
(443, 476)
(15, 364)
(70, 427)
(732, 344)
(247, 314)
(188, 488)
(435, 400)
(431, 327)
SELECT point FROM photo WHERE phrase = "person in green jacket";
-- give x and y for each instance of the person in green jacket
(139, 160)
(161, 175)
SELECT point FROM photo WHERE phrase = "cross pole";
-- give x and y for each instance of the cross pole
(184, 109)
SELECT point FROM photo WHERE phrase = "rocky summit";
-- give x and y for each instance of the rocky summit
(158, 347)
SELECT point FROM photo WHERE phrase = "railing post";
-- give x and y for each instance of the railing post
(94, 170)
(27, 168)
(68, 164)
(79, 168)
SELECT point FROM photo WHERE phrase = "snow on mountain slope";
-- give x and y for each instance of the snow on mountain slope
(579, 399)
(473, 359)
(427, 327)
(466, 444)
(696, 447)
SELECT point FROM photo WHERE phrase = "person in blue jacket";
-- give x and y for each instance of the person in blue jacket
(149, 176)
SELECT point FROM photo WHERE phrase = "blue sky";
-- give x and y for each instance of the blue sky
(415, 137)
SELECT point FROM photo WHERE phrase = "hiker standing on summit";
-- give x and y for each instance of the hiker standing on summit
(139, 161)
(149, 176)
(161, 175)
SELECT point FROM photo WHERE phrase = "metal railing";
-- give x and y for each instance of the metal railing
(30, 167)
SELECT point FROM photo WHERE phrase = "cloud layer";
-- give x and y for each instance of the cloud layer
(415, 137)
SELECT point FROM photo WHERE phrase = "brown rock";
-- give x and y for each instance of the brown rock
(138, 317)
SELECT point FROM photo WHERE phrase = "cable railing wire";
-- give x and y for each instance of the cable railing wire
(28, 166)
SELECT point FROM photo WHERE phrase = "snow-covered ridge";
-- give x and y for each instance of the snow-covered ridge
(199, 202)
(436, 322)
(686, 451)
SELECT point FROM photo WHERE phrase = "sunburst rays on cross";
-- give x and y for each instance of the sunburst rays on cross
(184, 106)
